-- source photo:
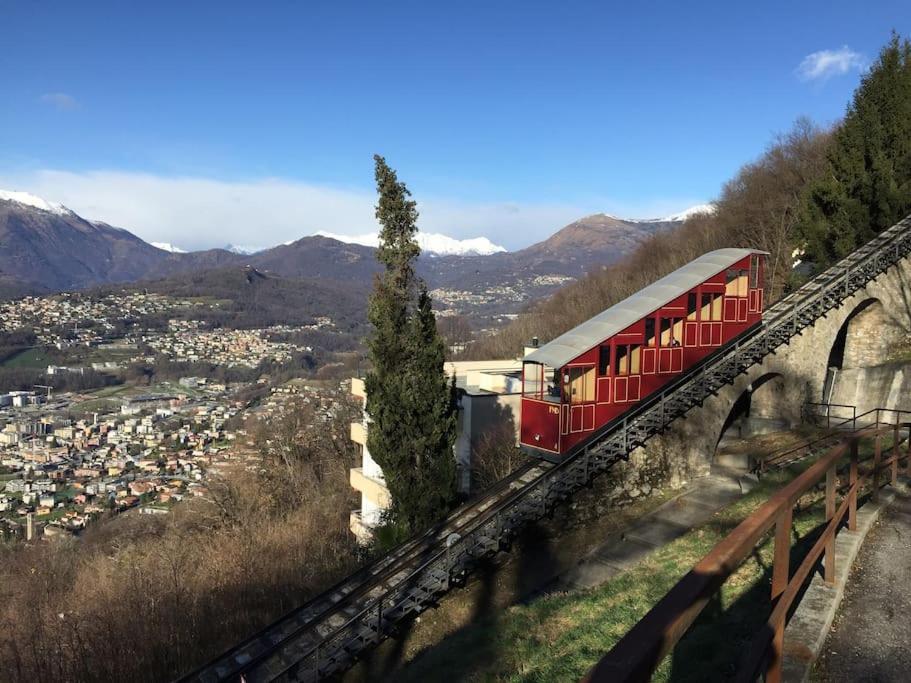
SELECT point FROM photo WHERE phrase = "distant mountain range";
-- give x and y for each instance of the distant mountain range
(45, 247)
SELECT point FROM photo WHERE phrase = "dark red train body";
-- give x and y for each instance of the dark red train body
(594, 373)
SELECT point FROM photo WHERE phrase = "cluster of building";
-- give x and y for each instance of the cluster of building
(56, 475)
(20, 399)
(494, 299)
(84, 318)
(187, 341)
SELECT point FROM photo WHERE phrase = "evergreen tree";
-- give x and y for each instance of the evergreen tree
(409, 403)
(867, 185)
(433, 411)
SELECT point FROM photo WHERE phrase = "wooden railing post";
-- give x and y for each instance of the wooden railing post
(895, 455)
(852, 504)
(780, 566)
(877, 456)
(830, 513)
(780, 575)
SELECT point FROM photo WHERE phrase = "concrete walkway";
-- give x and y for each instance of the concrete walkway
(695, 506)
(871, 639)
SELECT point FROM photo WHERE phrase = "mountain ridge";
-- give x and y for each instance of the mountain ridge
(45, 247)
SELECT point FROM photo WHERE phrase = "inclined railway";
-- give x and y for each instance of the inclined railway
(328, 634)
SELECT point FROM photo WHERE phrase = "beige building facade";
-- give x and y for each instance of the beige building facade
(489, 397)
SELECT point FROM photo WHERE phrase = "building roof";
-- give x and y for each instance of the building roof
(592, 332)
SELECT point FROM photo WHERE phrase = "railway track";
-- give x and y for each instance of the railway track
(277, 647)
(327, 635)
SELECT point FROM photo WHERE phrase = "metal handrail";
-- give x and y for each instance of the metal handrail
(639, 653)
(787, 457)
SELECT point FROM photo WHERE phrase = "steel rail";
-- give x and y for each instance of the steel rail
(486, 533)
(241, 657)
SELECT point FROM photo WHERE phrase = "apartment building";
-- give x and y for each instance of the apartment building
(489, 396)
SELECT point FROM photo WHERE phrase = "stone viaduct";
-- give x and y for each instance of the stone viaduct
(842, 358)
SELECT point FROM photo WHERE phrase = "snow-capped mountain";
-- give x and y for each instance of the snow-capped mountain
(673, 218)
(244, 251)
(27, 199)
(687, 213)
(430, 243)
(167, 246)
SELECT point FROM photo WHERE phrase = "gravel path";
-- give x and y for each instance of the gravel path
(871, 639)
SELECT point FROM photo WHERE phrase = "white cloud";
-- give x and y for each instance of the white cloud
(200, 213)
(822, 65)
(60, 100)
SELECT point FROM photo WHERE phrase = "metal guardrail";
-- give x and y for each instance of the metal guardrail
(331, 642)
(875, 418)
(636, 656)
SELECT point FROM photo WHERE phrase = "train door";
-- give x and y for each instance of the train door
(627, 372)
(579, 393)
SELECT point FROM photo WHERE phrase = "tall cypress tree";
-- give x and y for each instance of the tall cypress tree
(867, 186)
(410, 405)
(434, 419)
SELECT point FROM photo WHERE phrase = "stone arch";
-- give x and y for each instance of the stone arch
(864, 337)
(757, 410)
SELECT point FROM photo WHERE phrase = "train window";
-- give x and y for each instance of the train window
(705, 312)
(603, 360)
(650, 332)
(621, 361)
(627, 359)
(582, 384)
(711, 307)
(735, 283)
(533, 374)
(691, 306)
(730, 283)
(676, 331)
(665, 331)
(754, 271)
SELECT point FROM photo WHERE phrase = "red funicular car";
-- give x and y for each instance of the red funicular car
(592, 374)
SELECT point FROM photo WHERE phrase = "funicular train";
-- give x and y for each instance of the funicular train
(592, 374)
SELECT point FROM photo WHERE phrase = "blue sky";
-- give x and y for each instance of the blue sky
(202, 123)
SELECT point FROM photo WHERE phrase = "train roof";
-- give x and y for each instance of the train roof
(592, 332)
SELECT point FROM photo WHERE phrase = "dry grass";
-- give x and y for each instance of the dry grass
(145, 598)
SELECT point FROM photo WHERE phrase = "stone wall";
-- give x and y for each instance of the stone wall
(870, 334)
(882, 386)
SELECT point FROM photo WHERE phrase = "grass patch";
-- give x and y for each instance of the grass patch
(30, 359)
(560, 637)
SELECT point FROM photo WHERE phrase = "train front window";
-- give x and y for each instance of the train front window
(533, 380)
(754, 271)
